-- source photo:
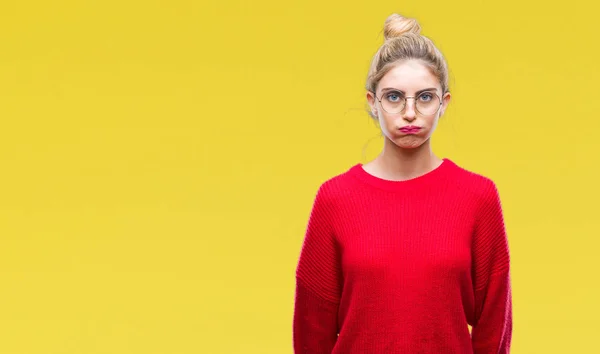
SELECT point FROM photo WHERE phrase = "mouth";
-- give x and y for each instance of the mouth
(410, 129)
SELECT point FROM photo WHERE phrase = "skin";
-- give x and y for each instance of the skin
(406, 156)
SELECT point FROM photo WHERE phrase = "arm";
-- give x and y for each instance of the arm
(492, 327)
(318, 284)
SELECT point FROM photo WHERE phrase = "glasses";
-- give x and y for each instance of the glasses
(426, 103)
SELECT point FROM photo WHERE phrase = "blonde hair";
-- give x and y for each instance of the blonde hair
(403, 41)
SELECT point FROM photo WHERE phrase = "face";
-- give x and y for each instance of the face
(412, 126)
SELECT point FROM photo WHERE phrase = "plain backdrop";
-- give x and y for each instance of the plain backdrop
(160, 158)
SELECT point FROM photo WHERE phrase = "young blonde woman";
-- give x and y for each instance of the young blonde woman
(403, 253)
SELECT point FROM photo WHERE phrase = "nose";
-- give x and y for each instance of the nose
(409, 110)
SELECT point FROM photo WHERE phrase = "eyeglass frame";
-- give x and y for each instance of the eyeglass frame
(414, 98)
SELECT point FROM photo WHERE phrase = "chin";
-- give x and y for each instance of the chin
(409, 142)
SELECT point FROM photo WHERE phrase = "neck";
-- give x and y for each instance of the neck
(396, 163)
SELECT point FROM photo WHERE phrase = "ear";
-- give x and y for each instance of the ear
(371, 101)
(445, 102)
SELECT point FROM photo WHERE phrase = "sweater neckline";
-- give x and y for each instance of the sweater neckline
(425, 179)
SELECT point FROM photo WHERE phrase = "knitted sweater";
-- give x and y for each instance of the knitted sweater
(404, 266)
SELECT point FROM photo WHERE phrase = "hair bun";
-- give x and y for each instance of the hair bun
(397, 25)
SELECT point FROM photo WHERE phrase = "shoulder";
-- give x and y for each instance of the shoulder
(335, 187)
(478, 185)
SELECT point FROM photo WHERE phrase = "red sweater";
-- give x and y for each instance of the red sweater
(404, 266)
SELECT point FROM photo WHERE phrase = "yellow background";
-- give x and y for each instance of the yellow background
(159, 160)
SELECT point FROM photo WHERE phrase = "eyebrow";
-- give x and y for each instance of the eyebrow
(402, 92)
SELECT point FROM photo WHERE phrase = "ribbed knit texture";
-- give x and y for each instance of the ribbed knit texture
(404, 266)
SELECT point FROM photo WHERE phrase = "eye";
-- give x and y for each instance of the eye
(393, 97)
(426, 97)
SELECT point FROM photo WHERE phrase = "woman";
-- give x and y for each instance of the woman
(407, 253)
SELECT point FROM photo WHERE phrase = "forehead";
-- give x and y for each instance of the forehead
(409, 76)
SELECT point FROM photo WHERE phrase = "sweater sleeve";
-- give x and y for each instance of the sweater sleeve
(492, 325)
(318, 284)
